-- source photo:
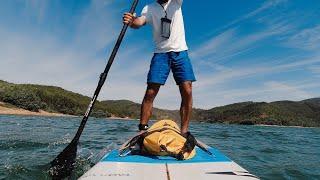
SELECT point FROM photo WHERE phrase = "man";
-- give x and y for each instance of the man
(165, 17)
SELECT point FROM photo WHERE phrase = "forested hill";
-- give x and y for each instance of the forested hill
(286, 113)
(55, 99)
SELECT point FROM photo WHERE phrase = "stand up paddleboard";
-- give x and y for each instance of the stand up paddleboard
(137, 167)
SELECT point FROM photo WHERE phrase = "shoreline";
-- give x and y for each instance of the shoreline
(7, 109)
(120, 118)
(280, 126)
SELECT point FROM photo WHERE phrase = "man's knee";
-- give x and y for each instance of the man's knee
(186, 89)
(149, 96)
(151, 92)
(188, 92)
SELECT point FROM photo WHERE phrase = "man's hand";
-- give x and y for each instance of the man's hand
(133, 21)
(128, 18)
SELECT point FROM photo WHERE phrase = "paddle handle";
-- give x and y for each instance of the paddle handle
(103, 75)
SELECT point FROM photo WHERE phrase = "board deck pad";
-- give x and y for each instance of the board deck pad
(202, 166)
(200, 157)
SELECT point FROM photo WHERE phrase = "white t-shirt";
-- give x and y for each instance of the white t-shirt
(153, 13)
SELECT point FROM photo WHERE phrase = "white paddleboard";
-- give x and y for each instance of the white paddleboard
(137, 167)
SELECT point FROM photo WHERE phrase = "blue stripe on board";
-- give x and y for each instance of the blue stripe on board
(200, 157)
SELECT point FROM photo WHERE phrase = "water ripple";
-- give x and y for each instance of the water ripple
(268, 152)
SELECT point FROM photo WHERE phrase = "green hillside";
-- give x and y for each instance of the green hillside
(125, 108)
(48, 98)
(55, 99)
(286, 113)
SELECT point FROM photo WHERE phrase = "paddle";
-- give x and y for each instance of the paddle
(63, 164)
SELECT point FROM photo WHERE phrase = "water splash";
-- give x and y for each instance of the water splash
(65, 140)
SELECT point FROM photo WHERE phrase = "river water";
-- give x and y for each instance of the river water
(28, 143)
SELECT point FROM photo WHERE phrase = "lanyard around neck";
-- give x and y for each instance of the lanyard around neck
(164, 10)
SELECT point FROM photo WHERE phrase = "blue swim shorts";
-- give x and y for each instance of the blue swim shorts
(178, 62)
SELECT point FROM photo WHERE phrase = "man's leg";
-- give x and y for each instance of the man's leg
(147, 103)
(186, 105)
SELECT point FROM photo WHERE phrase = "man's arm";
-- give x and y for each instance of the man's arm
(134, 22)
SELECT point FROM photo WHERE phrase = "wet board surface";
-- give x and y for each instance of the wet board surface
(202, 166)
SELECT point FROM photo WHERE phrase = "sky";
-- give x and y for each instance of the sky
(248, 50)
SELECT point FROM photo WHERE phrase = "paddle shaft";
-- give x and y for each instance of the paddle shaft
(103, 76)
(63, 164)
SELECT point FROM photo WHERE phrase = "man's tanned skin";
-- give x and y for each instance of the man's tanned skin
(185, 88)
(134, 22)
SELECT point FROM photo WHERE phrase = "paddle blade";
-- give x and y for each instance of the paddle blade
(63, 164)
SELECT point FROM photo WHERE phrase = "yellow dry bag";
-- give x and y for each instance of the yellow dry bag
(164, 138)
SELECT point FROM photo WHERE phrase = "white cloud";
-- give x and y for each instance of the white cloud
(41, 60)
(230, 44)
(315, 70)
(285, 91)
(26, 57)
(307, 39)
(268, 4)
(266, 91)
(214, 44)
(235, 74)
(98, 26)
